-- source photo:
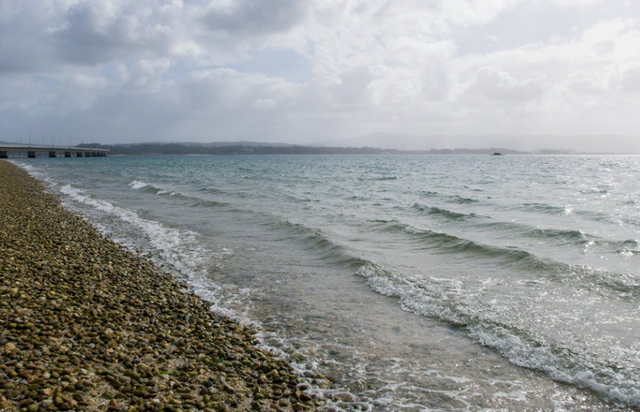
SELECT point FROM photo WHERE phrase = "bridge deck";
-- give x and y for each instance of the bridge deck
(53, 150)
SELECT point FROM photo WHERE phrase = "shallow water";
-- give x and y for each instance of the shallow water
(412, 282)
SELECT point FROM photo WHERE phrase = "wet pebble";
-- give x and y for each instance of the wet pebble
(87, 325)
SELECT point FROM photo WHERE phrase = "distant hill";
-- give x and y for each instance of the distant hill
(214, 144)
(260, 148)
(227, 149)
(397, 143)
(248, 148)
(522, 142)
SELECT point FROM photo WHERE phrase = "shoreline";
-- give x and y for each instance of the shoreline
(87, 325)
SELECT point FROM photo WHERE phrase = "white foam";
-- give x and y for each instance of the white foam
(439, 299)
(29, 168)
(180, 249)
(36, 173)
(136, 184)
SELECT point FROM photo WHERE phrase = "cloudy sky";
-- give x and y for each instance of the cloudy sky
(441, 73)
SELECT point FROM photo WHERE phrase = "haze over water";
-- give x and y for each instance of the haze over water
(414, 283)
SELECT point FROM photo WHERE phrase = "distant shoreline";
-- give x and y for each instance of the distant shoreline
(281, 149)
(253, 148)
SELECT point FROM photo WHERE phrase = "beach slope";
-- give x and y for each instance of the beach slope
(87, 325)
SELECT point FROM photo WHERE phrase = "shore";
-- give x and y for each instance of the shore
(87, 325)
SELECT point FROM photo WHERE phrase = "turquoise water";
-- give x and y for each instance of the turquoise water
(414, 283)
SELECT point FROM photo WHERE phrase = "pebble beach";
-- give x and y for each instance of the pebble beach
(87, 325)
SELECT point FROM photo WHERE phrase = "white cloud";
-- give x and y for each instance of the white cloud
(261, 103)
(255, 17)
(474, 12)
(226, 89)
(497, 85)
(574, 3)
(627, 78)
(181, 68)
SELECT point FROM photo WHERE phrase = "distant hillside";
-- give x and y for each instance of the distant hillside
(227, 149)
(214, 144)
(249, 148)
(255, 148)
(522, 142)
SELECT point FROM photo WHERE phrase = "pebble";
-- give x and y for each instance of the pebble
(87, 325)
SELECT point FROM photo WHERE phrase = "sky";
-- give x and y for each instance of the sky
(522, 74)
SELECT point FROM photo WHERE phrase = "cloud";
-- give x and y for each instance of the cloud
(23, 36)
(92, 33)
(574, 3)
(249, 18)
(51, 35)
(497, 85)
(352, 89)
(627, 79)
(474, 12)
(223, 90)
(587, 84)
(261, 103)
(292, 70)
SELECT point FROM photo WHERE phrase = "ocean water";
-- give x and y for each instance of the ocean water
(412, 283)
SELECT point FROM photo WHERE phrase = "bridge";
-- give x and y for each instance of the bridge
(53, 151)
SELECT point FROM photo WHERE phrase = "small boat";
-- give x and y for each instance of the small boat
(497, 154)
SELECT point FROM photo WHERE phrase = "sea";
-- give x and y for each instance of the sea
(409, 282)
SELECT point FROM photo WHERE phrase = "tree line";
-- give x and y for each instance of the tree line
(192, 149)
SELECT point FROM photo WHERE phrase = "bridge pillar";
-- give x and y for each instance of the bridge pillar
(67, 154)
(52, 153)
(3, 154)
(94, 154)
(31, 154)
(79, 154)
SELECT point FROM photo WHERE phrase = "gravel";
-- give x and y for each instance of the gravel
(86, 325)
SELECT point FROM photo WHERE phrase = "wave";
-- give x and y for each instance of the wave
(319, 242)
(149, 188)
(180, 251)
(210, 190)
(448, 214)
(448, 198)
(174, 245)
(38, 173)
(548, 209)
(620, 286)
(570, 210)
(135, 185)
(579, 367)
(363, 179)
(628, 247)
(571, 235)
(595, 190)
(462, 200)
(577, 237)
(193, 201)
(441, 242)
(523, 230)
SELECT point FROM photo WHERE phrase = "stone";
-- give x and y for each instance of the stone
(85, 321)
